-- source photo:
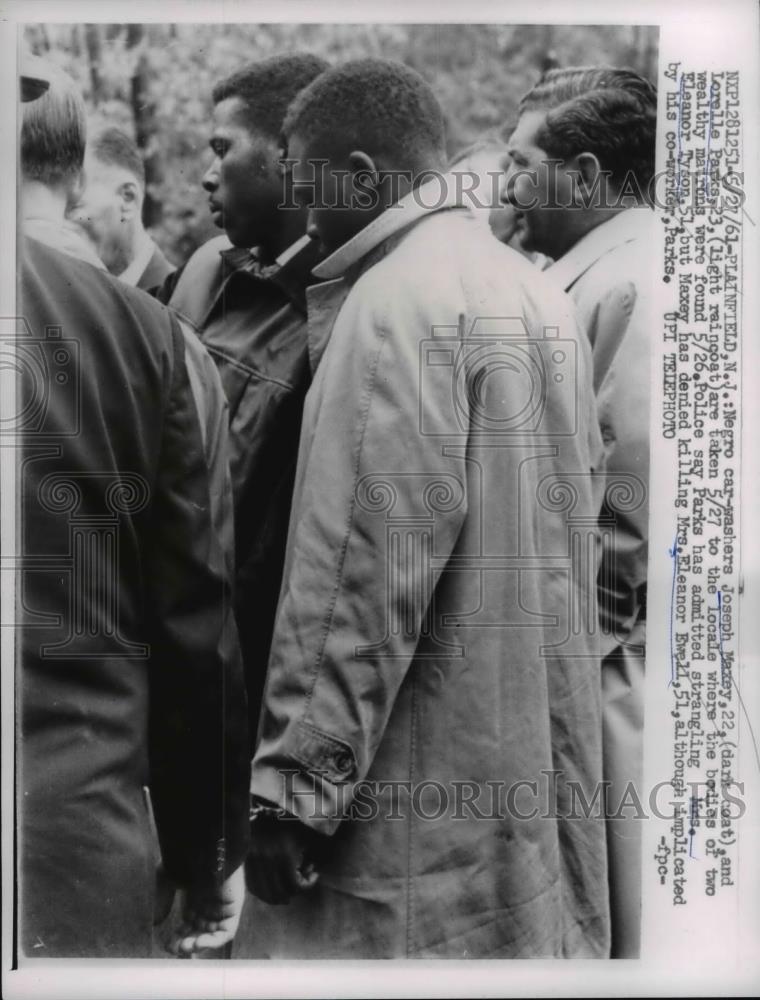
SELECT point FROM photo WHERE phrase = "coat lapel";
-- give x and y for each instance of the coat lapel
(622, 228)
(323, 304)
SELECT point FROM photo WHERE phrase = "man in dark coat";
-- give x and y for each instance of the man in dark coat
(244, 293)
(129, 671)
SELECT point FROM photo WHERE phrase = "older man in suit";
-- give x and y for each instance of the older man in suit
(579, 166)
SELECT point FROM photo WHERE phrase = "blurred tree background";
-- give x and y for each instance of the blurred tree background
(155, 82)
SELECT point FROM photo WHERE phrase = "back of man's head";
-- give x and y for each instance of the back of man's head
(114, 148)
(267, 87)
(383, 108)
(609, 112)
(53, 134)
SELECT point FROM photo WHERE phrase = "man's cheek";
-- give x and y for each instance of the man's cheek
(530, 228)
(108, 221)
(89, 222)
(524, 188)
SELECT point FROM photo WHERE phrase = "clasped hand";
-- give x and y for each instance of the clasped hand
(281, 858)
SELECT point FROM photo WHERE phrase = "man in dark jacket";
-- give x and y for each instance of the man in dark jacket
(249, 307)
(129, 671)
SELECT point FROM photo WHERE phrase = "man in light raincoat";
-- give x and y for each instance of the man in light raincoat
(430, 743)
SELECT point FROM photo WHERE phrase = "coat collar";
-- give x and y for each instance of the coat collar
(440, 192)
(291, 271)
(132, 274)
(338, 272)
(625, 227)
(62, 236)
(323, 302)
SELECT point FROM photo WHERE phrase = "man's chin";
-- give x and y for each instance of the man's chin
(525, 239)
(240, 240)
(324, 250)
(218, 219)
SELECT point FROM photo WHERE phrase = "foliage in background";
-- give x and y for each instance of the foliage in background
(155, 81)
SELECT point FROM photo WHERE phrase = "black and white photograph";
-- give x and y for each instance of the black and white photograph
(370, 385)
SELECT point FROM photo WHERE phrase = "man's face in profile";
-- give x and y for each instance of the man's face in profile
(244, 182)
(325, 187)
(538, 187)
(107, 210)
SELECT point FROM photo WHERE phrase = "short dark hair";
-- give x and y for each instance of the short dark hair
(267, 88)
(375, 105)
(602, 110)
(54, 132)
(115, 148)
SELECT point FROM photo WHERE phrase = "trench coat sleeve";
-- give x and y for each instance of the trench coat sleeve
(198, 741)
(337, 662)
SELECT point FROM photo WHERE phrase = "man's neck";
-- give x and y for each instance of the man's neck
(292, 226)
(43, 217)
(585, 222)
(120, 256)
(42, 203)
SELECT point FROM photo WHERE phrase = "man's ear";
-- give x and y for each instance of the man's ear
(362, 163)
(130, 199)
(588, 169)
